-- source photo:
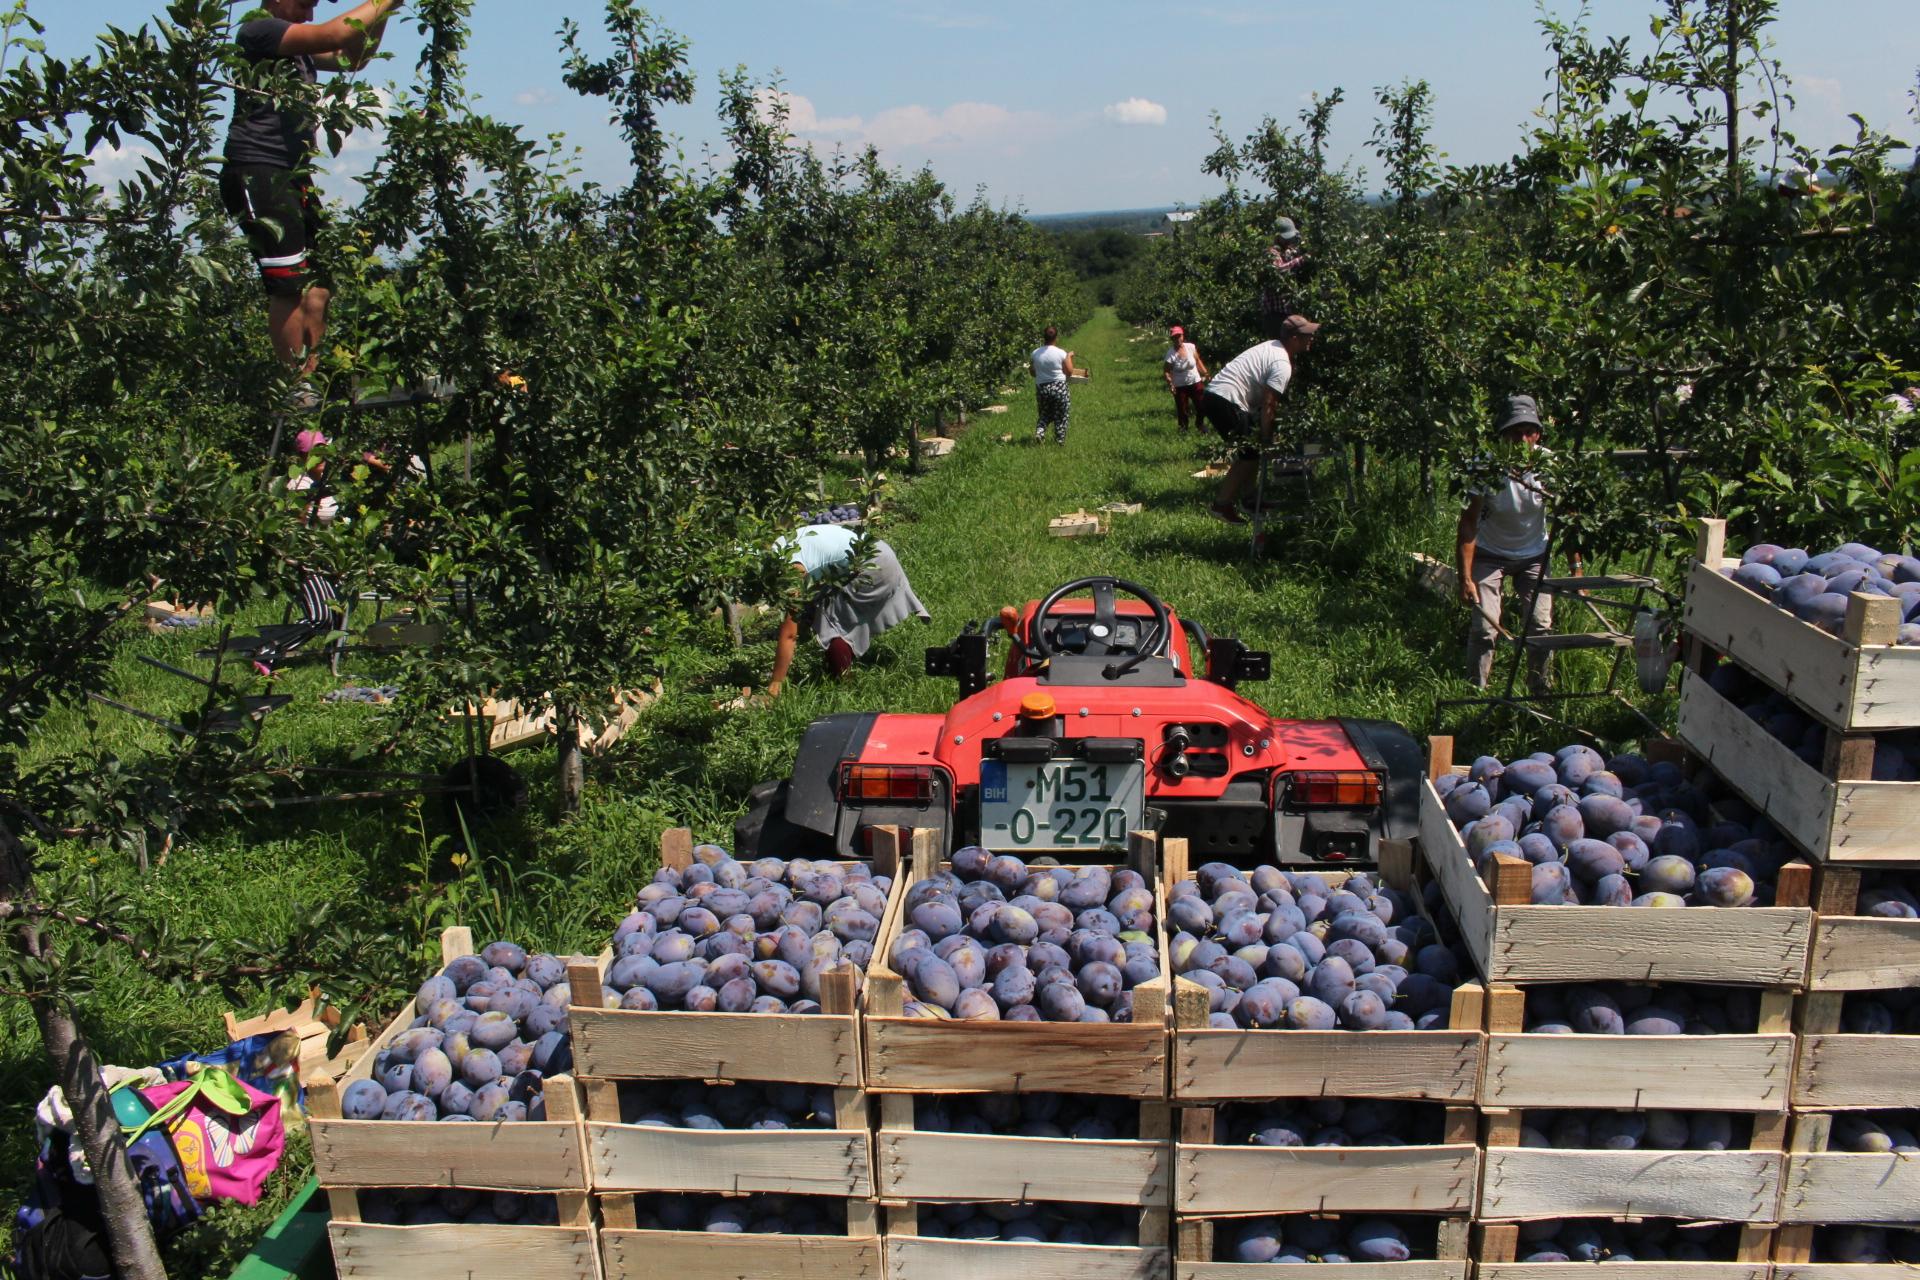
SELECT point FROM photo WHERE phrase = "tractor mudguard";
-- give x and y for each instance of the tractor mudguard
(813, 800)
(1387, 747)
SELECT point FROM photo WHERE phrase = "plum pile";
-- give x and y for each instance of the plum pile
(1331, 1122)
(1649, 1240)
(762, 1215)
(1631, 1009)
(732, 937)
(1881, 1013)
(1594, 1130)
(831, 515)
(1287, 950)
(695, 1104)
(430, 1207)
(1815, 588)
(1082, 1117)
(488, 1030)
(1609, 833)
(1300, 1238)
(1031, 1223)
(371, 694)
(1875, 1133)
(994, 939)
(1894, 754)
(1867, 1244)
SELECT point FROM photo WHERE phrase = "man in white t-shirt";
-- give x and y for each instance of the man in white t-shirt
(1241, 398)
(1186, 375)
(1503, 535)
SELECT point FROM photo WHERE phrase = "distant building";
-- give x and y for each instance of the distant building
(1178, 218)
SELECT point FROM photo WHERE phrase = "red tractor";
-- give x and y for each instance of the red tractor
(1110, 716)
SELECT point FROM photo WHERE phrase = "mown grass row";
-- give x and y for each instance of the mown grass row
(1332, 599)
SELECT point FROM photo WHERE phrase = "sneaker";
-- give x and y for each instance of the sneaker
(1227, 513)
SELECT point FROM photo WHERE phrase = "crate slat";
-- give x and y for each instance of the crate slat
(1738, 1072)
(1535, 1182)
(363, 1251)
(925, 1258)
(1249, 1180)
(1841, 1186)
(1759, 946)
(1842, 1271)
(696, 1255)
(829, 1162)
(961, 1166)
(1864, 953)
(1858, 1072)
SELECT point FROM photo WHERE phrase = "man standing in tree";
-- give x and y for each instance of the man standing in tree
(267, 183)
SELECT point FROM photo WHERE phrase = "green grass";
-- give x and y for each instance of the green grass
(1332, 601)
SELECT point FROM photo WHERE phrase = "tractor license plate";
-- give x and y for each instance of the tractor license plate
(1061, 804)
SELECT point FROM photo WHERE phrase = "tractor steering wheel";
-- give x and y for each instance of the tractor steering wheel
(1101, 630)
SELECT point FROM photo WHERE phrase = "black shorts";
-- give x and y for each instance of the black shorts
(280, 214)
(1235, 425)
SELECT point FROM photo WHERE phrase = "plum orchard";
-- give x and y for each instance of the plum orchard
(1663, 265)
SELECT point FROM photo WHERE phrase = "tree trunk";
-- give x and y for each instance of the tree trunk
(913, 447)
(1426, 476)
(573, 769)
(129, 1231)
(1736, 10)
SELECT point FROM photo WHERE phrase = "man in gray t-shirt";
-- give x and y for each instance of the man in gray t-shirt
(1502, 535)
(265, 182)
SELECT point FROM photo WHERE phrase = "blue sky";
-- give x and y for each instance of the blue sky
(1079, 105)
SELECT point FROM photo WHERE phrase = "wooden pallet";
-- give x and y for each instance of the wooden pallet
(1078, 524)
(630, 1254)
(1222, 1181)
(1857, 680)
(1496, 1245)
(312, 1021)
(1195, 1243)
(631, 1157)
(925, 1055)
(1823, 1185)
(912, 1256)
(1840, 1072)
(1854, 952)
(1524, 1183)
(625, 1044)
(1737, 1072)
(1218, 1066)
(1837, 815)
(914, 1165)
(1514, 941)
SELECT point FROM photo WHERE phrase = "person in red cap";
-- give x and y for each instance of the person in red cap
(1186, 375)
(266, 183)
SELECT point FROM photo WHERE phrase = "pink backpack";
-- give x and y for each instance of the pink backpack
(228, 1134)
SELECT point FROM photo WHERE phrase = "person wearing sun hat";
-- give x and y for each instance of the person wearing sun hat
(1186, 375)
(1286, 269)
(1503, 537)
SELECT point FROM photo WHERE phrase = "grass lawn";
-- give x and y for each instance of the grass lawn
(1332, 600)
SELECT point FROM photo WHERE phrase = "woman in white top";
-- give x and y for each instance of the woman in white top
(1186, 375)
(1502, 535)
(1051, 369)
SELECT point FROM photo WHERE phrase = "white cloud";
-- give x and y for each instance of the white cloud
(109, 165)
(539, 96)
(914, 127)
(1136, 111)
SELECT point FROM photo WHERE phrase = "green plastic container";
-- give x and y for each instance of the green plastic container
(295, 1245)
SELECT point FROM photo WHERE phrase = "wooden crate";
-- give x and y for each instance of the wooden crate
(1523, 1183)
(912, 1256)
(1221, 1181)
(1497, 1245)
(1852, 952)
(1216, 1066)
(1823, 1185)
(1842, 1072)
(627, 1253)
(1078, 524)
(1194, 1259)
(914, 1165)
(925, 1055)
(1737, 1072)
(1514, 941)
(460, 1251)
(1837, 815)
(626, 1044)
(631, 1157)
(534, 1155)
(1857, 680)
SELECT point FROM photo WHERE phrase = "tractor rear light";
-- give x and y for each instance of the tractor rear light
(1347, 789)
(900, 783)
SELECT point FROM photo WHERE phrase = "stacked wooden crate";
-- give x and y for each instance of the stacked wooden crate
(1217, 1187)
(1859, 686)
(627, 1163)
(1535, 1080)
(913, 1062)
(360, 1161)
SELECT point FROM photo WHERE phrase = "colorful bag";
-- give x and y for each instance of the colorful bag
(228, 1134)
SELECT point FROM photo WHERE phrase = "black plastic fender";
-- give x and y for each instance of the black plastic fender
(1389, 748)
(813, 800)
